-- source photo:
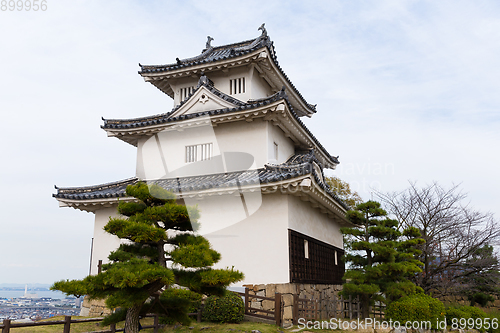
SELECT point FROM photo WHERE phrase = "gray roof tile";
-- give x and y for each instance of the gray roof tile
(298, 165)
(223, 52)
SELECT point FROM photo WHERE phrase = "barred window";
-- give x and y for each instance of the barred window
(237, 86)
(314, 261)
(185, 92)
(199, 152)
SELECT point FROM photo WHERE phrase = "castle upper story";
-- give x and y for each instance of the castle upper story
(246, 70)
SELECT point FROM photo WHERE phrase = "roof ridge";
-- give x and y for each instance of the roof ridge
(97, 186)
(238, 46)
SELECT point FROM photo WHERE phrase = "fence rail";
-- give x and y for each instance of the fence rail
(7, 324)
(276, 315)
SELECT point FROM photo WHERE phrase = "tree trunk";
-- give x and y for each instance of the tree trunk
(132, 319)
(365, 306)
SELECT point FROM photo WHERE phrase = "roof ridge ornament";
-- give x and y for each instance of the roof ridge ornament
(204, 80)
(209, 41)
(264, 31)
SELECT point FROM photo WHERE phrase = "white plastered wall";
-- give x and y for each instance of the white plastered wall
(103, 243)
(286, 147)
(167, 150)
(258, 245)
(311, 222)
(256, 87)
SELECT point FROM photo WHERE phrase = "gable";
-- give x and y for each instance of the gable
(202, 100)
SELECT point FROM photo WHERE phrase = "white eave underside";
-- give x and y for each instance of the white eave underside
(304, 187)
(277, 112)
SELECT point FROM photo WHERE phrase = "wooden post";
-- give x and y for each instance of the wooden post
(350, 307)
(156, 324)
(112, 328)
(358, 307)
(6, 326)
(198, 315)
(277, 309)
(247, 300)
(317, 315)
(99, 267)
(295, 309)
(67, 324)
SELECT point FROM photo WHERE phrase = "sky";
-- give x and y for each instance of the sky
(405, 91)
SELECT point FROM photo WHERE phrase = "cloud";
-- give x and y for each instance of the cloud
(409, 84)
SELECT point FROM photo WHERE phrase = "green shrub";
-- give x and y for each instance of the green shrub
(420, 307)
(178, 302)
(226, 309)
(193, 298)
(463, 311)
(481, 299)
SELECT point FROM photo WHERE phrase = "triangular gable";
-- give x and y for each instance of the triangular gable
(202, 100)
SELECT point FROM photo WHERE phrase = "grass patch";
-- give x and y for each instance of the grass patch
(75, 327)
(245, 326)
(234, 328)
(194, 327)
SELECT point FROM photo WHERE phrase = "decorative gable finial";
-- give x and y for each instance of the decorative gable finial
(264, 31)
(203, 79)
(209, 40)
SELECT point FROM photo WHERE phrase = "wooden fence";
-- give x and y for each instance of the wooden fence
(7, 324)
(336, 307)
(276, 315)
(304, 308)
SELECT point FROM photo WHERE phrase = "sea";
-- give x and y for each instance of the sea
(40, 293)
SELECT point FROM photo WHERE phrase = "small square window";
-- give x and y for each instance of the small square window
(306, 249)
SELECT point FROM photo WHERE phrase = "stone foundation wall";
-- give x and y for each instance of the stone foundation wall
(94, 308)
(320, 292)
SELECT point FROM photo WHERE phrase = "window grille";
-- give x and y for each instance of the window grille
(199, 152)
(185, 92)
(237, 86)
(321, 264)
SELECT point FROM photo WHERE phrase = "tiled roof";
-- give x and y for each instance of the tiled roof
(270, 174)
(165, 117)
(213, 54)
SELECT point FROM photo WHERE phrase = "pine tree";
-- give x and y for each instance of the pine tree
(382, 258)
(161, 250)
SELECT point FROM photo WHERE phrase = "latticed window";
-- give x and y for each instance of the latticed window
(185, 92)
(237, 86)
(314, 261)
(199, 152)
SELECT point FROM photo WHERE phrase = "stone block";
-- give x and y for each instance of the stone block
(288, 299)
(256, 304)
(286, 288)
(267, 305)
(270, 290)
(261, 293)
(261, 287)
(287, 312)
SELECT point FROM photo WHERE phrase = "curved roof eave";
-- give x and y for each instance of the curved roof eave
(205, 59)
(132, 124)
